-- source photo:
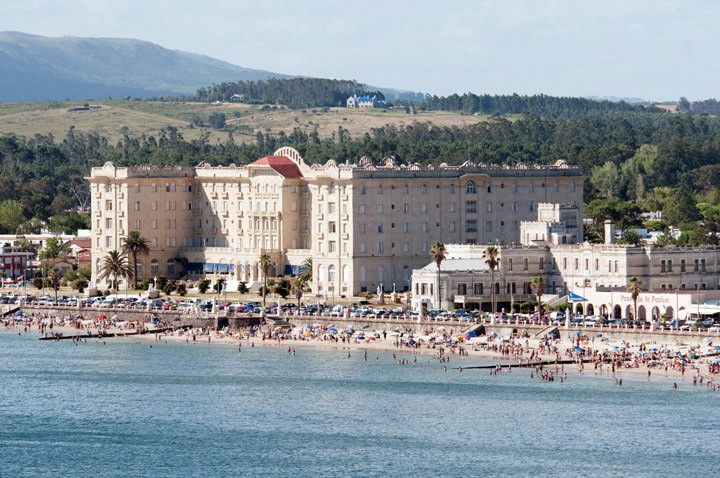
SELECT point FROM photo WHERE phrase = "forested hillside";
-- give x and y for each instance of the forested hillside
(635, 161)
(293, 92)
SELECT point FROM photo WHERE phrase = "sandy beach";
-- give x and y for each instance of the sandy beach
(678, 363)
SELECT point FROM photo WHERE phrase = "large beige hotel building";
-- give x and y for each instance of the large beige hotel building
(366, 225)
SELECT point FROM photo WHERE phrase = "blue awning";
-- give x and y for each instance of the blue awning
(573, 297)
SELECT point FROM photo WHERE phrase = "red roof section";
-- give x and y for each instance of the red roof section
(282, 164)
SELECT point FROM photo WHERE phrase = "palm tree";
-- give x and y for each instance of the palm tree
(115, 265)
(307, 270)
(135, 244)
(438, 255)
(265, 264)
(538, 287)
(491, 259)
(634, 290)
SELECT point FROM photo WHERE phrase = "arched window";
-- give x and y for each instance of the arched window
(331, 274)
(363, 274)
(153, 187)
(346, 274)
(171, 267)
(362, 189)
(452, 189)
(380, 274)
(572, 187)
(380, 189)
(154, 267)
(470, 187)
(321, 273)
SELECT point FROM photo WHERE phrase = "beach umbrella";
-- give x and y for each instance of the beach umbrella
(653, 349)
(598, 335)
(332, 329)
(366, 326)
(578, 348)
(308, 326)
(578, 333)
(552, 334)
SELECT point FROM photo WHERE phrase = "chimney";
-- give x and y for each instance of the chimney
(609, 232)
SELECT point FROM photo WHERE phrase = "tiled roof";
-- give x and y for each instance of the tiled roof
(283, 165)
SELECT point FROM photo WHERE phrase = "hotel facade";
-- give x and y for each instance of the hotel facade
(365, 225)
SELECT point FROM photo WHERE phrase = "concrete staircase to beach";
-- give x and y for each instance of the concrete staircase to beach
(6, 310)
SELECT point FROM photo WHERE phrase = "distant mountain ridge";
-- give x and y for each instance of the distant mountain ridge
(36, 68)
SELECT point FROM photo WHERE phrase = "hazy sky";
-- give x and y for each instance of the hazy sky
(654, 49)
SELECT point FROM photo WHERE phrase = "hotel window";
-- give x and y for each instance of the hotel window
(489, 188)
(380, 209)
(137, 206)
(531, 188)
(424, 227)
(488, 226)
(510, 264)
(702, 267)
(526, 263)
(380, 189)
(331, 208)
(381, 228)
(514, 206)
(471, 225)
(108, 241)
(452, 189)
(462, 288)
(320, 227)
(470, 187)
(682, 265)
(669, 266)
(362, 209)
(696, 265)
(154, 224)
(451, 226)
(406, 247)
(137, 188)
(361, 228)
(514, 187)
(423, 189)
(423, 208)
(406, 209)
(542, 263)
(406, 189)
(556, 188)
(108, 223)
(406, 227)
(616, 266)
(362, 247)
(597, 264)
(424, 246)
(531, 206)
(470, 206)
(108, 205)
(451, 207)
(332, 227)
(380, 247)
(577, 263)
(572, 187)
(362, 189)
(478, 289)
(488, 207)
(153, 188)
(332, 246)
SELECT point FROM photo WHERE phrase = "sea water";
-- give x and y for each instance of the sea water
(122, 408)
